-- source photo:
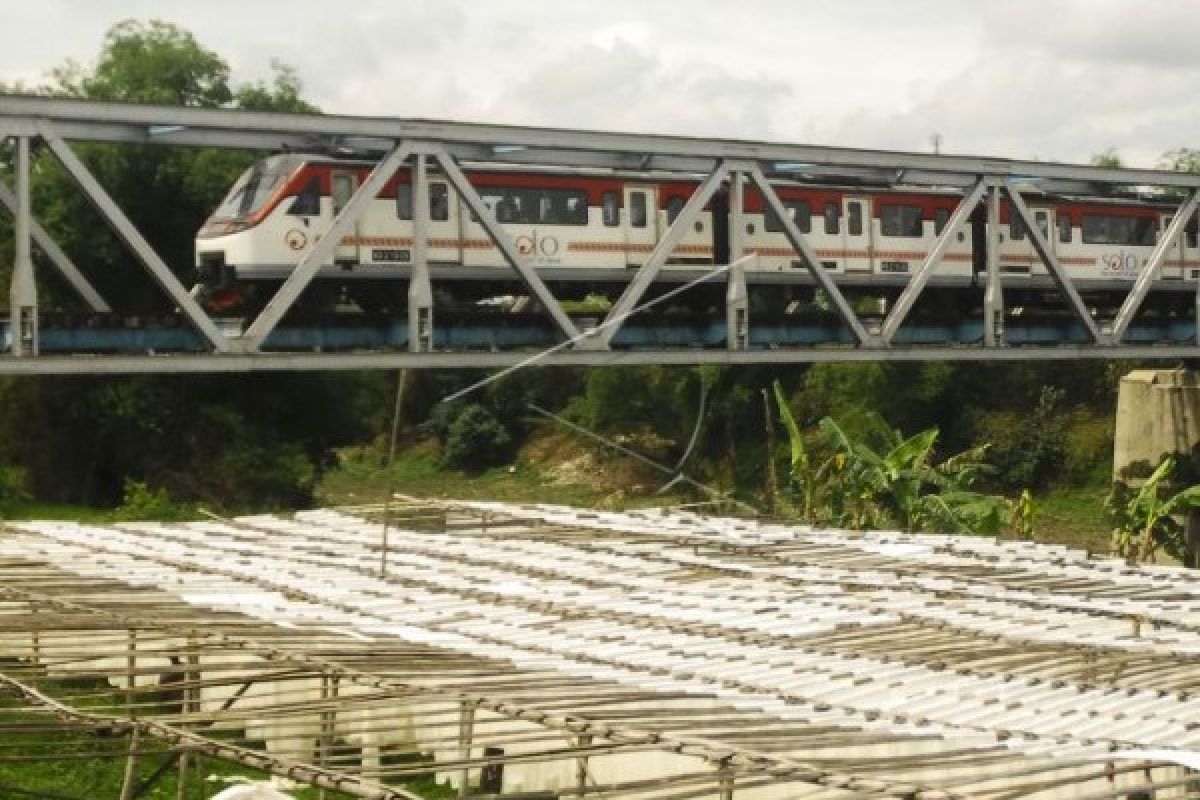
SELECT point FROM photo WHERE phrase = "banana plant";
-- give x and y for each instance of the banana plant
(811, 478)
(1144, 521)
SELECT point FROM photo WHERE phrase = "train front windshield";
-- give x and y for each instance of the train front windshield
(255, 187)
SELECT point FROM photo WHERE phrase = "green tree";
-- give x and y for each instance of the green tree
(1109, 158)
(234, 441)
(476, 440)
(1182, 159)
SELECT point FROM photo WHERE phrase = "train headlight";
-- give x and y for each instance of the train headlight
(222, 228)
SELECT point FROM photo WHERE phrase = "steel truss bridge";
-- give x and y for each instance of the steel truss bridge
(202, 343)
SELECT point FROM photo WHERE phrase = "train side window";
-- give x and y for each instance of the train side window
(1064, 228)
(832, 217)
(674, 206)
(854, 219)
(1016, 227)
(609, 210)
(899, 220)
(343, 190)
(940, 217)
(308, 201)
(404, 203)
(563, 207)
(439, 202)
(1115, 229)
(800, 213)
(1189, 233)
(637, 209)
(1043, 223)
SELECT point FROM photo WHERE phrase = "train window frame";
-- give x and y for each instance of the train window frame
(610, 210)
(941, 216)
(854, 218)
(308, 200)
(901, 221)
(1190, 231)
(524, 205)
(1016, 227)
(404, 201)
(638, 209)
(800, 212)
(1119, 229)
(674, 208)
(1065, 233)
(342, 179)
(439, 202)
(833, 218)
(1042, 217)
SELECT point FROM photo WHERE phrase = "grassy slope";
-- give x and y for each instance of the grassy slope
(1073, 516)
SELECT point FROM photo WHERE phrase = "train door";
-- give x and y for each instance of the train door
(640, 223)
(343, 184)
(1017, 255)
(443, 234)
(856, 233)
(1044, 219)
(1172, 266)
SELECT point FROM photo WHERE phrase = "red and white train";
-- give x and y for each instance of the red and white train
(593, 227)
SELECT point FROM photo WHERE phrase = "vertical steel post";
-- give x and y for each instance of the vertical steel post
(581, 762)
(130, 672)
(737, 306)
(191, 705)
(993, 296)
(22, 303)
(466, 732)
(129, 785)
(329, 694)
(420, 291)
(35, 641)
(725, 783)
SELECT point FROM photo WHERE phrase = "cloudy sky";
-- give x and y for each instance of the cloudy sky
(1050, 79)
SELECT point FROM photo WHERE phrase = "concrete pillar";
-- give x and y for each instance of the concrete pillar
(1158, 414)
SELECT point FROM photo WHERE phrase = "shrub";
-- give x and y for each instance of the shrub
(144, 503)
(1028, 448)
(475, 440)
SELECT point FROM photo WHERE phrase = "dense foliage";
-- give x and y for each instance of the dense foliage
(224, 440)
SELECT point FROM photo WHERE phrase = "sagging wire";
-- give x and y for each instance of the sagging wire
(676, 476)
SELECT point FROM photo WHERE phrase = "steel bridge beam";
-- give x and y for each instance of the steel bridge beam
(1061, 279)
(919, 279)
(420, 289)
(23, 299)
(504, 242)
(323, 250)
(116, 218)
(737, 297)
(358, 360)
(993, 296)
(144, 120)
(1169, 239)
(666, 245)
(58, 258)
(822, 278)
